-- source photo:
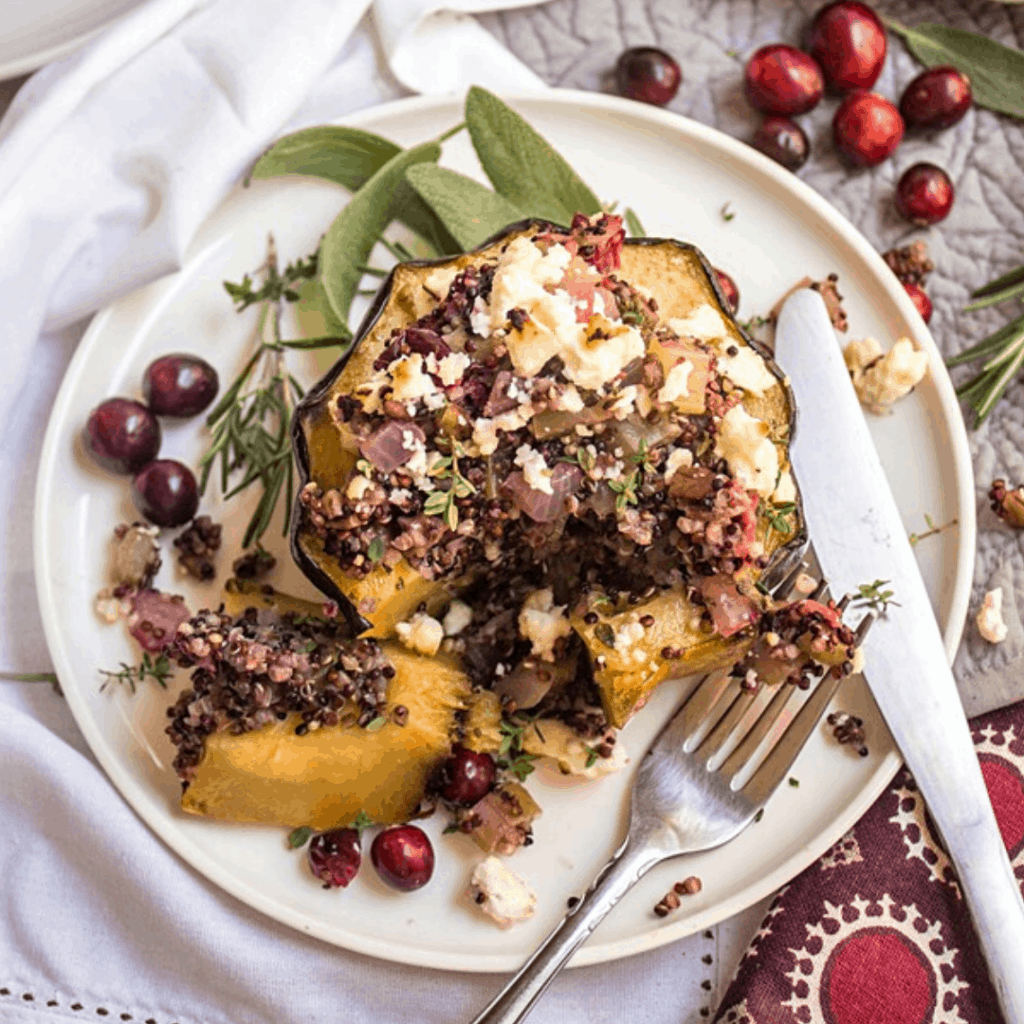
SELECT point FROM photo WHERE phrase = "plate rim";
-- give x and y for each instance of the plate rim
(766, 884)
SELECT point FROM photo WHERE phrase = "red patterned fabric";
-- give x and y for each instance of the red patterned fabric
(876, 931)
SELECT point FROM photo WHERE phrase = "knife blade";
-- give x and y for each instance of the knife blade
(859, 537)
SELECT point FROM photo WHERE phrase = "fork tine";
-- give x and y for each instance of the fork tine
(769, 716)
(699, 704)
(720, 734)
(780, 585)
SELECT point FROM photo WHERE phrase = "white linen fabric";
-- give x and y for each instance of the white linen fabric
(109, 161)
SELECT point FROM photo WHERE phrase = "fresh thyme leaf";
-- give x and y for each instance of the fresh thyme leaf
(592, 755)
(376, 723)
(625, 490)
(522, 766)
(361, 822)
(449, 829)
(795, 783)
(776, 514)
(375, 552)
(727, 213)
(874, 596)
(351, 237)
(520, 163)
(471, 212)
(632, 317)
(158, 669)
(298, 837)
(29, 677)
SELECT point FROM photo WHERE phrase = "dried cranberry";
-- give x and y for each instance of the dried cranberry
(122, 435)
(848, 40)
(937, 98)
(783, 80)
(468, 776)
(924, 194)
(647, 74)
(179, 385)
(731, 292)
(784, 141)
(920, 300)
(166, 493)
(866, 129)
(403, 857)
(334, 857)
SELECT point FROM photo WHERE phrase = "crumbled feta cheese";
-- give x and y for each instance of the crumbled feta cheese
(880, 379)
(422, 633)
(536, 472)
(785, 489)
(678, 458)
(485, 436)
(744, 443)
(676, 382)
(746, 369)
(568, 400)
(357, 487)
(110, 608)
(408, 381)
(452, 367)
(543, 623)
(458, 617)
(400, 496)
(990, 618)
(500, 893)
(600, 352)
(627, 635)
(574, 756)
(704, 322)
(624, 404)
(480, 318)
(438, 281)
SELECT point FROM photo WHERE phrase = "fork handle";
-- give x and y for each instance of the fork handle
(627, 866)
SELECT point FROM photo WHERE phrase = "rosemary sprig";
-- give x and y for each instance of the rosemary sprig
(158, 669)
(1002, 352)
(251, 423)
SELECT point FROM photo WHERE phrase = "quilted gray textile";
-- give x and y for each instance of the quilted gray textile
(574, 44)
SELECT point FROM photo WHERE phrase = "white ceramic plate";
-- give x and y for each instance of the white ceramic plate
(677, 175)
(34, 33)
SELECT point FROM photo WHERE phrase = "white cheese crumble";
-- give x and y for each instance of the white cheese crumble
(744, 443)
(599, 353)
(422, 633)
(704, 322)
(357, 487)
(572, 755)
(785, 489)
(627, 635)
(990, 618)
(881, 379)
(568, 401)
(678, 458)
(438, 281)
(458, 617)
(746, 369)
(452, 367)
(505, 896)
(408, 381)
(543, 623)
(536, 472)
(676, 383)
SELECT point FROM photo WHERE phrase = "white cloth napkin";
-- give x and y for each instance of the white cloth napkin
(108, 163)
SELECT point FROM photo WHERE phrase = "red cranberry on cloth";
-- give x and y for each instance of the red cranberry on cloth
(876, 931)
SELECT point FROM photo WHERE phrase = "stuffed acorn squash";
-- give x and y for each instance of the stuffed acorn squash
(570, 433)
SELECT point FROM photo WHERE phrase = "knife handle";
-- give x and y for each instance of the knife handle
(994, 899)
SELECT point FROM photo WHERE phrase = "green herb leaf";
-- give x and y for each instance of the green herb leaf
(592, 755)
(996, 71)
(298, 837)
(355, 231)
(636, 229)
(375, 552)
(377, 723)
(521, 165)
(469, 210)
(350, 157)
(795, 783)
(361, 822)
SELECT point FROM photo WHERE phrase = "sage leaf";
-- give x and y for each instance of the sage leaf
(298, 837)
(350, 157)
(469, 210)
(636, 229)
(996, 71)
(521, 165)
(353, 234)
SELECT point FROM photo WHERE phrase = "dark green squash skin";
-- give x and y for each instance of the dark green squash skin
(783, 558)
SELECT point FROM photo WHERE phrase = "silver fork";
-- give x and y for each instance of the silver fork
(684, 802)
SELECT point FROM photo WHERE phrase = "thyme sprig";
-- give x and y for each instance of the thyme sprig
(158, 669)
(442, 502)
(777, 514)
(251, 423)
(625, 490)
(874, 596)
(511, 755)
(1002, 352)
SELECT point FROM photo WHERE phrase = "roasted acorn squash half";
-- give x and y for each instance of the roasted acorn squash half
(645, 484)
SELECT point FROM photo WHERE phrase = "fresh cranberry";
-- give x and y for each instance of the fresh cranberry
(924, 194)
(920, 300)
(179, 385)
(848, 41)
(122, 435)
(403, 857)
(783, 80)
(784, 141)
(647, 74)
(166, 493)
(334, 857)
(468, 776)
(937, 98)
(731, 292)
(866, 128)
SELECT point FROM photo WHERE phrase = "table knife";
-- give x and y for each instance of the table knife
(858, 537)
